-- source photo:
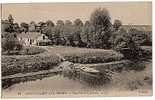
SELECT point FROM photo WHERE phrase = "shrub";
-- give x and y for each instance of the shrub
(127, 43)
(10, 43)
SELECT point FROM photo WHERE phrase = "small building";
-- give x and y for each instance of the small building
(33, 38)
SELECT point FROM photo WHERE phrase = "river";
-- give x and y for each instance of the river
(59, 84)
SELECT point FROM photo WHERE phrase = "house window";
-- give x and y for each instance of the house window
(21, 38)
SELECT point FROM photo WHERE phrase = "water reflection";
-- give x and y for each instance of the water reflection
(87, 79)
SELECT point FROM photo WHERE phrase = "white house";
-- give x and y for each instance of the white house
(33, 38)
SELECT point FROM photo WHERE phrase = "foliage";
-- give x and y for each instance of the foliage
(49, 23)
(117, 24)
(7, 25)
(24, 27)
(100, 19)
(126, 42)
(32, 26)
(78, 22)
(97, 32)
(10, 43)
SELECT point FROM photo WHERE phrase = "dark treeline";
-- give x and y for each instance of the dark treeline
(97, 32)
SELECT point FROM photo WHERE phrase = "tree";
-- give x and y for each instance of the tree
(10, 18)
(100, 19)
(60, 23)
(49, 23)
(78, 22)
(16, 27)
(40, 26)
(10, 42)
(68, 34)
(48, 29)
(24, 27)
(125, 43)
(7, 25)
(138, 36)
(87, 23)
(32, 26)
(87, 34)
(117, 24)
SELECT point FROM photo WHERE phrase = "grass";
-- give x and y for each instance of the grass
(23, 64)
(31, 50)
(29, 63)
(87, 56)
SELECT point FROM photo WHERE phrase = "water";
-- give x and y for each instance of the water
(63, 82)
(53, 84)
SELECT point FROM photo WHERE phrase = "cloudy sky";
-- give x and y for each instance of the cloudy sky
(128, 13)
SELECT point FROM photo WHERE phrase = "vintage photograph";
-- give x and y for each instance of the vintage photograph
(76, 49)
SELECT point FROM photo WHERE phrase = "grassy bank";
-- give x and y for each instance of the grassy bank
(85, 55)
(23, 64)
(31, 63)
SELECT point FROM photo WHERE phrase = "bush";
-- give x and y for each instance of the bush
(128, 44)
(10, 43)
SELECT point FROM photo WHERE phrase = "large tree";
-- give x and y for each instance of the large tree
(100, 18)
(101, 21)
(7, 25)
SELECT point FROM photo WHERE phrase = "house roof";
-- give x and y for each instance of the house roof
(30, 35)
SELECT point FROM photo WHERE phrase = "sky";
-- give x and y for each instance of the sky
(127, 12)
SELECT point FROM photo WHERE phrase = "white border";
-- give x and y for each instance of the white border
(34, 1)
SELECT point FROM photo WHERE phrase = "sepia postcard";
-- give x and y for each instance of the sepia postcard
(76, 49)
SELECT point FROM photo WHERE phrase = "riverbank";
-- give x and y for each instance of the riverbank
(31, 63)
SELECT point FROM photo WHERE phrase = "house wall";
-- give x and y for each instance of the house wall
(29, 42)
